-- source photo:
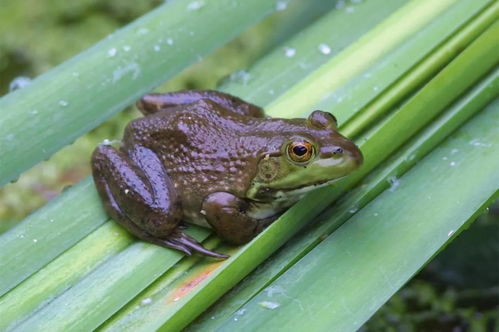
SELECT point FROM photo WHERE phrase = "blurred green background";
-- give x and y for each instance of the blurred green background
(457, 291)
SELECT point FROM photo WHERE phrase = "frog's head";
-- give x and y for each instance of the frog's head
(311, 153)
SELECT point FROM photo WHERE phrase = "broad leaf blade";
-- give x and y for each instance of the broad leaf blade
(346, 278)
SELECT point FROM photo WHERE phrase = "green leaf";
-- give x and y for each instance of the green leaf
(62, 273)
(379, 180)
(78, 211)
(383, 52)
(84, 295)
(73, 215)
(275, 73)
(346, 278)
(49, 231)
(174, 315)
(73, 98)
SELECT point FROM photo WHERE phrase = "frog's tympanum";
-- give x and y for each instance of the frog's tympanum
(211, 159)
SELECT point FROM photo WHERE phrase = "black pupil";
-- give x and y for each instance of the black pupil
(300, 150)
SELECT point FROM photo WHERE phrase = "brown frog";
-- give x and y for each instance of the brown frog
(211, 159)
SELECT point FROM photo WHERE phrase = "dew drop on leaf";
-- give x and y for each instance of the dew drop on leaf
(289, 52)
(112, 52)
(195, 5)
(324, 49)
(19, 83)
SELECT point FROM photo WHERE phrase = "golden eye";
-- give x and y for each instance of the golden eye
(300, 152)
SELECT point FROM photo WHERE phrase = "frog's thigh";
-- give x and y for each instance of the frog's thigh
(129, 196)
(154, 102)
(226, 213)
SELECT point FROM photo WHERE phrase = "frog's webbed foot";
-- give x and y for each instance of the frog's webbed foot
(180, 241)
(155, 102)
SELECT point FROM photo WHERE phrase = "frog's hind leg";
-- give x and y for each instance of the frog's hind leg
(126, 193)
(155, 102)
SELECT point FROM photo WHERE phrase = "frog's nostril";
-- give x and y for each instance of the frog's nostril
(331, 152)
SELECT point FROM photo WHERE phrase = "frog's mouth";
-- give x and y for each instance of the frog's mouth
(291, 194)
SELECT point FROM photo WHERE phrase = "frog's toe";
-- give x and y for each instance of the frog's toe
(180, 241)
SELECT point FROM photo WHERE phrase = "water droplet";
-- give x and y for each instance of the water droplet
(112, 52)
(121, 71)
(19, 83)
(289, 52)
(33, 112)
(127, 48)
(375, 88)
(450, 233)
(157, 48)
(240, 76)
(269, 305)
(241, 312)
(146, 301)
(169, 41)
(109, 142)
(394, 183)
(324, 49)
(281, 5)
(340, 4)
(452, 163)
(476, 142)
(63, 103)
(35, 240)
(195, 5)
(350, 9)
(375, 214)
(143, 31)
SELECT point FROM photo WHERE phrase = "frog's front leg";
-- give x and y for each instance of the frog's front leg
(138, 194)
(154, 102)
(228, 215)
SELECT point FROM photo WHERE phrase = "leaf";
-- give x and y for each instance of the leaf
(345, 279)
(178, 288)
(73, 98)
(380, 179)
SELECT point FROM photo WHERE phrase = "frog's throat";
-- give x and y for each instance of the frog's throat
(264, 193)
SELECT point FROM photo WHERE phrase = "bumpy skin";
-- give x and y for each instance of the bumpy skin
(195, 156)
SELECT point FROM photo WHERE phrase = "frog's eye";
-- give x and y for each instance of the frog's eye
(300, 152)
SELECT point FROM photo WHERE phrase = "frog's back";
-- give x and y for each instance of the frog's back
(205, 148)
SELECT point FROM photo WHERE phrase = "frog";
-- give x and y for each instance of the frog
(208, 158)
